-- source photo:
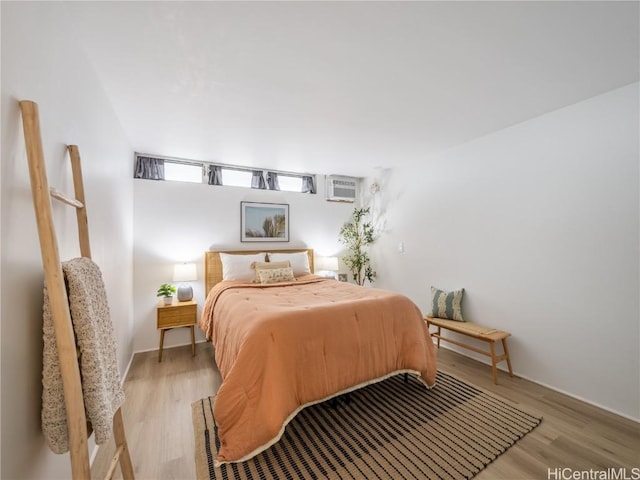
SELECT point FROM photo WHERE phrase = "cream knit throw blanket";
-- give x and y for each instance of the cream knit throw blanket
(103, 394)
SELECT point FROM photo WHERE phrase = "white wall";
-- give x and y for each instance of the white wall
(177, 222)
(540, 224)
(50, 69)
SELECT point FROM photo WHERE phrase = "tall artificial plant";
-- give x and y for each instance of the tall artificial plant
(357, 235)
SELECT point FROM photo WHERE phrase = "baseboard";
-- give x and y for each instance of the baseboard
(94, 453)
(126, 370)
(165, 348)
(124, 377)
(577, 397)
(542, 384)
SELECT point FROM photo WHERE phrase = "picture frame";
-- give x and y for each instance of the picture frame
(264, 222)
(343, 277)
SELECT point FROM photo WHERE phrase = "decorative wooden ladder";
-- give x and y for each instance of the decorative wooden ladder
(79, 428)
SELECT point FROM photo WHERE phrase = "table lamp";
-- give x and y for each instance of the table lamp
(185, 272)
(327, 265)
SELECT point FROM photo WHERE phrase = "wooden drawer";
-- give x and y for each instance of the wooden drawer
(177, 315)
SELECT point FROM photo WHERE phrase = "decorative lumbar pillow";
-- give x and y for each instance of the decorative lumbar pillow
(446, 305)
(238, 266)
(268, 265)
(299, 261)
(275, 275)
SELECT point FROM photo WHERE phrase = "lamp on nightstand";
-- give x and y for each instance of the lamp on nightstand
(326, 266)
(185, 272)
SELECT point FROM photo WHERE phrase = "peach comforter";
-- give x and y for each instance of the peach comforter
(282, 347)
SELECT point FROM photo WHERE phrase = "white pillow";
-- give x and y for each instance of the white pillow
(238, 267)
(299, 261)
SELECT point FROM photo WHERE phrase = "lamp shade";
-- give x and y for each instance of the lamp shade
(185, 272)
(329, 264)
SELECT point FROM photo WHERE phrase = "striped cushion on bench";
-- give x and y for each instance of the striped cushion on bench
(446, 304)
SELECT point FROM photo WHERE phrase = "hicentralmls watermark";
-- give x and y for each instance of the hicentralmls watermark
(612, 473)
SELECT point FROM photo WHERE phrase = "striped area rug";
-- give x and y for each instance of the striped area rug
(389, 430)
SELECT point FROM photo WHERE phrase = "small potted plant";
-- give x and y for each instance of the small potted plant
(166, 291)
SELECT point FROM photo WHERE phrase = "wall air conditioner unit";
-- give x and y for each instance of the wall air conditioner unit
(341, 189)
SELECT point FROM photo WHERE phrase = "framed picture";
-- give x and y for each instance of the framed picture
(264, 222)
(343, 277)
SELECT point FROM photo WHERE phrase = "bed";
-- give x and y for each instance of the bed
(283, 346)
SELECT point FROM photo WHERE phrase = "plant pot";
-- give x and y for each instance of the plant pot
(168, 300)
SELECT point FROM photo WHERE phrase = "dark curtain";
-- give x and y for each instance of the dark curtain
(149, 168)
(272, 181)
(214, 175)
(257, 180)
(308, 184)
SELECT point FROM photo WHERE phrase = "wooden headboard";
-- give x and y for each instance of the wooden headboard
(213, 265)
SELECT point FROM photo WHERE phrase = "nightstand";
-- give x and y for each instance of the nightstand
(177, 315)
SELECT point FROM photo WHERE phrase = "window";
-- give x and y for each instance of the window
(155, 167)
(290, 183)
(182, 172)
(236, 178)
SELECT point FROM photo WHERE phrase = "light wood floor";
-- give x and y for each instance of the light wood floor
(158, 420)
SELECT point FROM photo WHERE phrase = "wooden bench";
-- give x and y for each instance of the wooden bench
(486, 334)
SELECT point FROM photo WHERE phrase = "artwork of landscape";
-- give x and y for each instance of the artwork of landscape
(265, 222)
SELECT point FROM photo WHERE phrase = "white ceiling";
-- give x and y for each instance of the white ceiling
(346, 87)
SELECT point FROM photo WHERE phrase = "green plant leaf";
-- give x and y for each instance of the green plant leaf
(166, 290)
(356, 235)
